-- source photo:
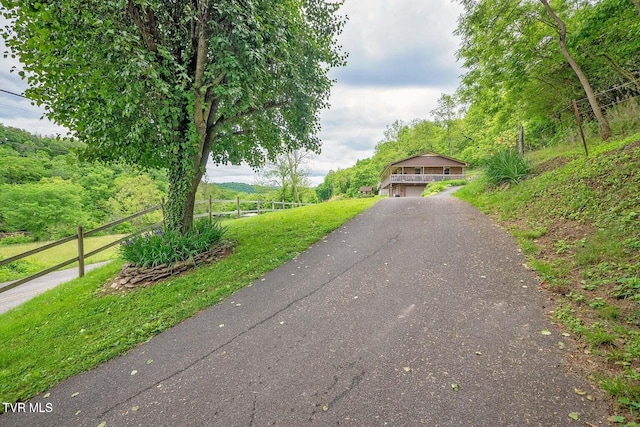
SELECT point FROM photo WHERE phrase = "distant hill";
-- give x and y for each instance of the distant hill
(241, 187)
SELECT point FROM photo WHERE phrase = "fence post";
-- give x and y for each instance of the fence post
(80, 251)
(273, 206)
(210, 210)
(584, 141)
(238, 205)
(164, 215)
(258, 206)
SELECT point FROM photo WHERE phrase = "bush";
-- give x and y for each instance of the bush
(507, 166)
(158, 247)
(15, 240)
(18, 269)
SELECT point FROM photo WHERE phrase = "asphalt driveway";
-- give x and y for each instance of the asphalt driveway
(417, 312)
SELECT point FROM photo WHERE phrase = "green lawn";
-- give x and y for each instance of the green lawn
(50, 257)
(87, 329)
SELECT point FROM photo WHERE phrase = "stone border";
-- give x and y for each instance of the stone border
(132, 276)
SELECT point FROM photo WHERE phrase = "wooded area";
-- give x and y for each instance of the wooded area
(521, 60)
(46, 192)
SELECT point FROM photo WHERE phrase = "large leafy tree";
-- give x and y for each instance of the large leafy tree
(527, 59)
(173, 83)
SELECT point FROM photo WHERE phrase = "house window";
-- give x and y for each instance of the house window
(447, 171)
(417, 171)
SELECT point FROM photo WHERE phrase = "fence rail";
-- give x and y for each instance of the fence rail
(258, 207)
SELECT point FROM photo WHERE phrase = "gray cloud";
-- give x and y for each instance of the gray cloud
(401, 58)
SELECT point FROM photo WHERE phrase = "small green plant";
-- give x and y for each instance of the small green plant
(608, 312)
(507, 166)
(629, 287)
(596, 336)
(158, 247)
(632, 243)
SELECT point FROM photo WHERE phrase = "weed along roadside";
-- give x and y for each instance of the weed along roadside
(87, 328)
(579, 225)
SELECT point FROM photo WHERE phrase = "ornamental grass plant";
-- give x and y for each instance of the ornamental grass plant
(507, 167)
(168, 247)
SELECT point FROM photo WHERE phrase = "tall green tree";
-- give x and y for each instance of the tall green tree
(561, 27)
(173, 83)
(445, 113)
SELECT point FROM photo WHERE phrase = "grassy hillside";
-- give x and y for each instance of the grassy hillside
(578, 220)
(86, 327)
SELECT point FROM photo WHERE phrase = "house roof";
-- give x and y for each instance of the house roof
(428, 159)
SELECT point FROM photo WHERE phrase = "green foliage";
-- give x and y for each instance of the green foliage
(168, 247)
(507, 166)
(89, 193)
(165, 85)
(588, 252)
(239, 187)
(88, 328)
(436, 187)
(516, 74)
(629, 287)
(15, 240)
(52, 207)
(17, 269)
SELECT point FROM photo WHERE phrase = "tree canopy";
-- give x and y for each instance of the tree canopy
(171, 84)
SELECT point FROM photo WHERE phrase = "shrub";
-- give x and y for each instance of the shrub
(507, 166)
(18, 269)
(15, 240)
(158, 247)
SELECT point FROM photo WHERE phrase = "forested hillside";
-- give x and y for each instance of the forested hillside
(525, 65)
(46, 191)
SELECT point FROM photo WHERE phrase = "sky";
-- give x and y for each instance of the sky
(401, 59)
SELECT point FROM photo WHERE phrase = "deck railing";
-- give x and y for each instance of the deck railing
(419, 178)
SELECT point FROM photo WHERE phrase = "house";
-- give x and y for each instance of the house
(409, 177)
(365, 191)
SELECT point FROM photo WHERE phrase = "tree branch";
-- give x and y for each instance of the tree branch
(148, 28)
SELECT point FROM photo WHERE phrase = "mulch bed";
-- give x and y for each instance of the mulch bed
(132, 276)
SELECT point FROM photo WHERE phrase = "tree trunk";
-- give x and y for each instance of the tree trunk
(183, 186)
(521, 141)
(605, 129)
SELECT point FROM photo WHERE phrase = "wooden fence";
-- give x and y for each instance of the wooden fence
(213, 209)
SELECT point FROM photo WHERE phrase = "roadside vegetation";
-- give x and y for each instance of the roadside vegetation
(578, 221)
(50, 257)
(436, 187)
(87, 327)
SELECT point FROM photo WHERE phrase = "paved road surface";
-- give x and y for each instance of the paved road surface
(417, 312)
(19, 294)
